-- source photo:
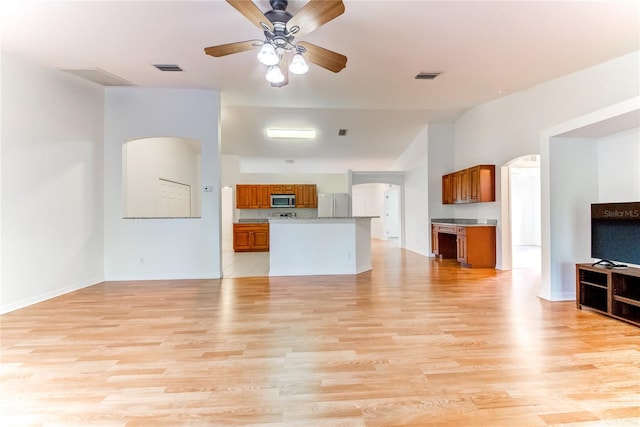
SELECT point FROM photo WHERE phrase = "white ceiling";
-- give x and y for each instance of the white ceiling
(484, 49)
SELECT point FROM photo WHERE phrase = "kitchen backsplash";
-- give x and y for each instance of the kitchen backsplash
(266, 213)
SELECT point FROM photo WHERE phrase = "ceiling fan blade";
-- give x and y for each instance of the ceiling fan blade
(324, 58)
(314, 14)
(250, 11)
(230, 48)
(284, 67)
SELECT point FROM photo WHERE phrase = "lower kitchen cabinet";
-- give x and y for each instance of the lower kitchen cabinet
(251, 237)
(471, 246)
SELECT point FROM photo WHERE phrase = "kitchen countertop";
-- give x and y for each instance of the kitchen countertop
(468, 222)
(333, 218)
(299, 219)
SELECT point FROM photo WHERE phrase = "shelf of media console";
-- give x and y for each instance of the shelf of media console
(614, 292)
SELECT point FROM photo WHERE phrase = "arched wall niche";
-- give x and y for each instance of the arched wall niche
(161, 178)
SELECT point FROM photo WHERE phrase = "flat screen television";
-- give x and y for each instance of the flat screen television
(615, 234)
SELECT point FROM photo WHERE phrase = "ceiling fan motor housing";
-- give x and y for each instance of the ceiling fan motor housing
(279, 17)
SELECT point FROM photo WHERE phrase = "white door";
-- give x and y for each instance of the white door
(174, 199)
(392, 213)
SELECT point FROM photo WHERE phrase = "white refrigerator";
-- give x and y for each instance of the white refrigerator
(333, 205)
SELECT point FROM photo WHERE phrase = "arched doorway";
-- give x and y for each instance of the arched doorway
(393, 181)
(521, 213)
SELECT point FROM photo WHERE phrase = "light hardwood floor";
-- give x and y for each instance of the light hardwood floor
(415, 342)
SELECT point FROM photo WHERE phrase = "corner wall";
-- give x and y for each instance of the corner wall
(52, 175)
(423, 163)
(167, 248)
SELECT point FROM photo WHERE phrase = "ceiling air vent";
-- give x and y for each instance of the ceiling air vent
(342, 132)
(167, 67)
(427, 76)
(99, 76)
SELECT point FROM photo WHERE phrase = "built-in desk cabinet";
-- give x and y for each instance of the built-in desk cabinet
(609, 291)
(472, 246)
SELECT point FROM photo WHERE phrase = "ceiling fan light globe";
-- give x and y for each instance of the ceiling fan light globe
(298, 64)
(274, 74)
(268, 55)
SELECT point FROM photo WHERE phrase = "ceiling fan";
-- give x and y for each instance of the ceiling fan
(280, 28)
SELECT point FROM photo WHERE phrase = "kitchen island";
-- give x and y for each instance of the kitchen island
(318, 246)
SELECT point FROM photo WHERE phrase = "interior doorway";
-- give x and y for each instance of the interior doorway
(522, 220)
(382, 202)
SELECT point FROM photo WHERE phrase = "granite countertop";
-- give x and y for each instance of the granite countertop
(283, 218)
(336, 218)
(466, 221)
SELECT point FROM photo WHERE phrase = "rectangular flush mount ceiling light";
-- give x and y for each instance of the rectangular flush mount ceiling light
(291, 133)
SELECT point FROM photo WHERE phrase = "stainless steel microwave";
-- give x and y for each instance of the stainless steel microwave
(283, 201)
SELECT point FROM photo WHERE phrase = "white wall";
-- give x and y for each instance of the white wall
(424, 162)
(510, 127)
(618, 171)
(414, 163)
(368, 200)
(52, 167)
(440, 162)
(180, 248)
(573, 172)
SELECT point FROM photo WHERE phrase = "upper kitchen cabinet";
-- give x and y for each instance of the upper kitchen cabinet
(253, 196)
(282, 189)
(472, 185)
(258, 196)
(306, 196)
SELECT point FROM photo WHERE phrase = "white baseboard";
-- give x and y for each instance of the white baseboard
(6, 308)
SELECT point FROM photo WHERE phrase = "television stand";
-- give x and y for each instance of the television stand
(608, 264)
(614, 293)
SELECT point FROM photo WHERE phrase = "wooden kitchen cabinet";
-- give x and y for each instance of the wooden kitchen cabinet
(482, 184)
(282, 189)
(472, 185)
(263, 197)
(258, 196)
(463, 183)
(253, 196)
(251, 237)
(448, 189)
(478, 246)
(434, 239)
(471, 246)
(306, 196)
(461, 244)
(243, 196)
